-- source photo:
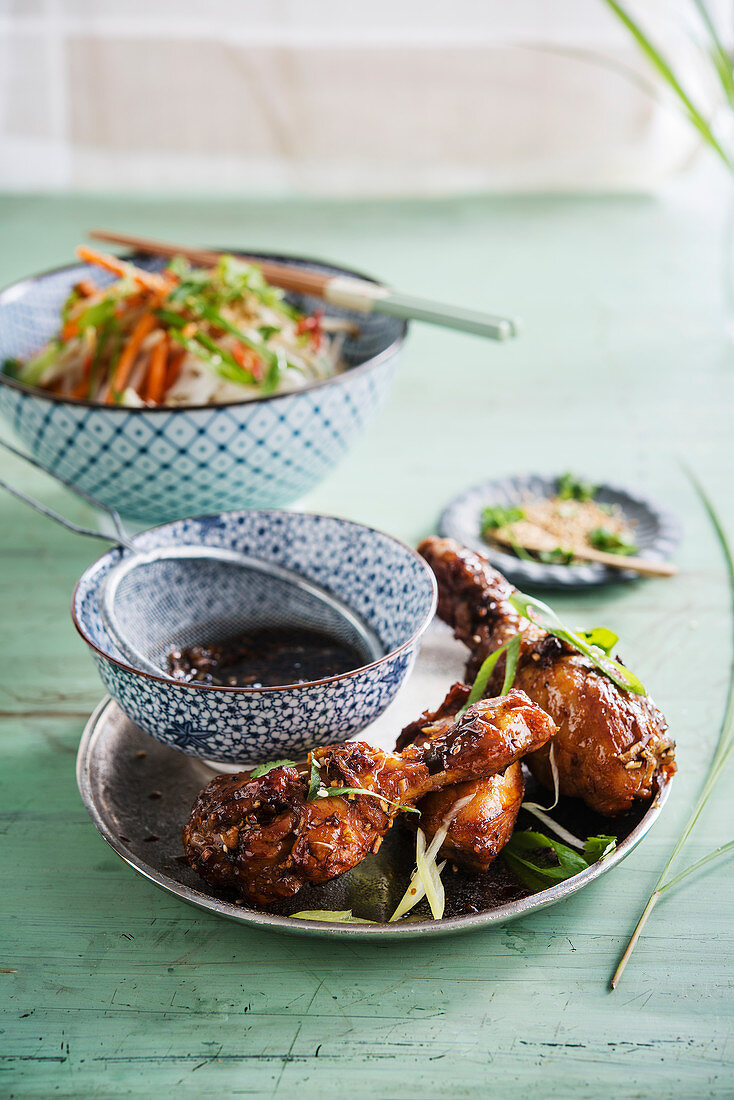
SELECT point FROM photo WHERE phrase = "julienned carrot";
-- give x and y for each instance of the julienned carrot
(85, 288)
(145, 279)
(249, 360)
(80, 390)
(173, 369)
(156, 379)
(124, 365)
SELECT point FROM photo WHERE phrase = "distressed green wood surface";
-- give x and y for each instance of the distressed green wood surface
(110, 988)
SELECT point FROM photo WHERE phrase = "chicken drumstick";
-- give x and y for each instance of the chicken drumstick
(612, 746)
(484, 824)
(264, 838)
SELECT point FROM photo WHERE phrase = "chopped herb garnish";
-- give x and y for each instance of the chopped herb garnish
(495, 516)
(550, 622)
(571, 487)
(600, 637)
(540, 862)
(596, 847)
(557, 556)
(604, 538)
(12, 367)
(263, 769)
(97, 315)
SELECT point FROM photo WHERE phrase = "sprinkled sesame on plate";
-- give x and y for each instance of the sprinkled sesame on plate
(538, 529)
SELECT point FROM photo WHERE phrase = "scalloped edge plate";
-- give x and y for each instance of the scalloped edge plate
(657, 530)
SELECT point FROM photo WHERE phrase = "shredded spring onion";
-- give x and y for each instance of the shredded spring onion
(184, 336)
(542, 812)
(342, 916)
(549, 621)
(426, 879)
(512, 648)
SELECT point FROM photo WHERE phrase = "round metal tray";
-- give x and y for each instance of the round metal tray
(657, 531)
(139, 793)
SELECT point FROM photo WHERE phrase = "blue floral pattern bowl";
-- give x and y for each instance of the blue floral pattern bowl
(161, 464)
(383, 582)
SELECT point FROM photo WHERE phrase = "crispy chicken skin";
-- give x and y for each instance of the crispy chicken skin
(612, 746)
(480, 830)
(264, 838)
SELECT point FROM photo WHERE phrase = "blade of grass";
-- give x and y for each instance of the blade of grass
(719, 56)
(722, 753)
(665, 70)
(698, 865)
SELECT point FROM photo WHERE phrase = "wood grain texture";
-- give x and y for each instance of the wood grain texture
(110, 988)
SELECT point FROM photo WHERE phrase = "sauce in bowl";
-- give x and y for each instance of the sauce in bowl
(266, 658)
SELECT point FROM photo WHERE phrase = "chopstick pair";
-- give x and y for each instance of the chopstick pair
(339, 290)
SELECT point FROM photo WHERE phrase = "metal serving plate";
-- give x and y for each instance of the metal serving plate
(657, 531)
(139, 794)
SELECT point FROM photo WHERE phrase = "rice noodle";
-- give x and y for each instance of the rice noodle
(239, 339)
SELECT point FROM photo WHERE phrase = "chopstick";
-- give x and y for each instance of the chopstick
(643, 566)
(339, 290)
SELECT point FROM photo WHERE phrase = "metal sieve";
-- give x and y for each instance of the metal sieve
(175, 596)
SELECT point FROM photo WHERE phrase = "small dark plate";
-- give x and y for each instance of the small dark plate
(139, 793)
(657, 531)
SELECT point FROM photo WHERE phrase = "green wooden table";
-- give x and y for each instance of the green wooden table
(110, 988)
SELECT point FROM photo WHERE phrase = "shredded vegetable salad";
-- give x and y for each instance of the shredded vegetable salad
(182, 336)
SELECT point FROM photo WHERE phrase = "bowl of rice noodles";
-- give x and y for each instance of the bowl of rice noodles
(168, 390)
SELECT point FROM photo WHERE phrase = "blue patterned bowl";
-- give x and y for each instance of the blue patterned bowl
(384, 583)
(161, 464)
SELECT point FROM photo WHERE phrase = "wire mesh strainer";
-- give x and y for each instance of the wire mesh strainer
(147, 599)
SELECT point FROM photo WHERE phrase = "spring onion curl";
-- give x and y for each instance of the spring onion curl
(182, 336)
(542, 812)
(529, 606)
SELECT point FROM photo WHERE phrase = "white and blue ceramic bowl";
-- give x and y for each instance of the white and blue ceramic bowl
(383, 582)
(160, 464)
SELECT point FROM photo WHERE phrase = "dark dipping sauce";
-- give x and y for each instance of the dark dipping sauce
(266, 658)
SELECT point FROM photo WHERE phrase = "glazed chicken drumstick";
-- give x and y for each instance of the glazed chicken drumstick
(266, 839)
(484, 823)
(612, 746)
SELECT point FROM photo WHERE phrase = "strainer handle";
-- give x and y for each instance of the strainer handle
(122, 536)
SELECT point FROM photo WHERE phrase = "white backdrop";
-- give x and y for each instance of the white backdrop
(285, 96)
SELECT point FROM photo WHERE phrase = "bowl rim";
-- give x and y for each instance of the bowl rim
(237, 689)
(13, 289)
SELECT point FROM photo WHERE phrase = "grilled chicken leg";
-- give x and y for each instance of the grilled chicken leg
(264, 838)
(612, 746)
(479, 831)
